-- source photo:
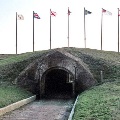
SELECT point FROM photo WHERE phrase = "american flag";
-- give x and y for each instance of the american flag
(36, 15)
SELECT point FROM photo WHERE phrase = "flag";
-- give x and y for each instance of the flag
(69, 11)
(20, 17)
(119, 13)
(36, 15)
(68, 24)
(52, 13)
(118, 29)
(87, 12)
(106, 12)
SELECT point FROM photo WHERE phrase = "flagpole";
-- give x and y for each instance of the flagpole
(16, 32)
(33, 31)
(68, 26)
(118, 30)
(50, 28)
(84, 29)
(101, 27)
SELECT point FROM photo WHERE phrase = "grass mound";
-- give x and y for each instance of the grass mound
(11, 66)
(97, 61)
(99, 103)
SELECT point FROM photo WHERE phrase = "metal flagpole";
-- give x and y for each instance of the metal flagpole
(118, 30)
(33, 31)
(84, 29)
(50, 28)
(68, 26)
(101, 27)
(16, 32)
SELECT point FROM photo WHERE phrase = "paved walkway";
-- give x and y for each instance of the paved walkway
(53, 109)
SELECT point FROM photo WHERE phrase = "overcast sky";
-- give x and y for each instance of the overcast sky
(8, 9)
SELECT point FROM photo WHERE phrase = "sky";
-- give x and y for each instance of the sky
(59, 25)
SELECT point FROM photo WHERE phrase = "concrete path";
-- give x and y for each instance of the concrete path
(54, 109)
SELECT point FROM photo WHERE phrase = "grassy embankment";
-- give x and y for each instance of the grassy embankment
(10, 94)
(10, 67)
(100, 102)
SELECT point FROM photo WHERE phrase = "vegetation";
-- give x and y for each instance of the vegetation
(97, 61)
(10, 94)
(99, 103)
(11, 66)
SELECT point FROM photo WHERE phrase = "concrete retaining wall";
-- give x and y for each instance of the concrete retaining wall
(16, 105)
(73, 110)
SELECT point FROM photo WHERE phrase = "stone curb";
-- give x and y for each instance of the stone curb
(16, 105)
(73, 109)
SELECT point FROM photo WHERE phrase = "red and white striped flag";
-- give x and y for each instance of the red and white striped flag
(36, 15)
(106, 12)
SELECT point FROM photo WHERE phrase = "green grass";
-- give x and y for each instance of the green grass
(97, 60)
(99, 103)
(11, 66)
(10, 94)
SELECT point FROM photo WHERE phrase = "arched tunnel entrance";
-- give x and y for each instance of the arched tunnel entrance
(58, 83)
(56, 72)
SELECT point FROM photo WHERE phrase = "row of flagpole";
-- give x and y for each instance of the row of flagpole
(52, 13)
(35, 15)
(103, 12)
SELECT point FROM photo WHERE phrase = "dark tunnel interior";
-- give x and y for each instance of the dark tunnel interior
(56, 84)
